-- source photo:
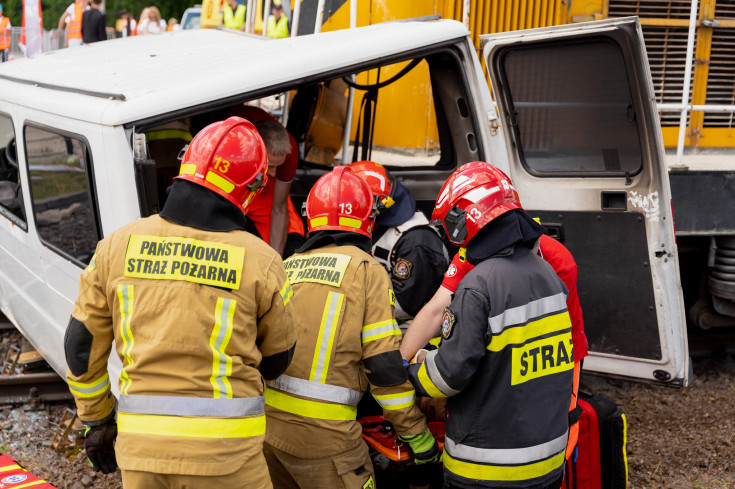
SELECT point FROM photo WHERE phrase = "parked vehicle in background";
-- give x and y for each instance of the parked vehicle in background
(192, 18)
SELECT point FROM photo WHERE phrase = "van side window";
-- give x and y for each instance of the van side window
(573, 111)
(11, 201)
(61, 192)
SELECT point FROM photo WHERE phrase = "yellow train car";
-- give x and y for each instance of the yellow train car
(665, 27)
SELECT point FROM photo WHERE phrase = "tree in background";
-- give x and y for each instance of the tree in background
(52, 9)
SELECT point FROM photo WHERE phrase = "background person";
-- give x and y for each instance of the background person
(277, 22)
(5, 36)
(94, 23)
(71, 19)
(234, 15)
(195, 346)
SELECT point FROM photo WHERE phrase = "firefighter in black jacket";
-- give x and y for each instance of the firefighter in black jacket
(404, 242)
(505, 360)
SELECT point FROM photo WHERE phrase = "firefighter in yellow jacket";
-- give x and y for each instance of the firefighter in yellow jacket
(200, 312)
(348, 338)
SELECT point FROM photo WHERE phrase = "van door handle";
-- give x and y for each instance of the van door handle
(614, 200)
(554, 230)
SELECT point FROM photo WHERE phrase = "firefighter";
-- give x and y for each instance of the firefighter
(200, 312)
(404, 242)
(348, 339)
(429, 319)
(505, 361)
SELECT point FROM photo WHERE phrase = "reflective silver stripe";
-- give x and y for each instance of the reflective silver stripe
(222, 362)
(316, 390)
(191, 406)
(436, 377)
(326, 340)
(521, 314)
(371, 331)
(396, 399)
(502, 456)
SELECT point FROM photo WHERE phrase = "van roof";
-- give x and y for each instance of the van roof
(126, 80)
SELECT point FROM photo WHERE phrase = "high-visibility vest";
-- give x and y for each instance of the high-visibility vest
(4, 33)
(234, 20)
(74, 29)
(278, 29)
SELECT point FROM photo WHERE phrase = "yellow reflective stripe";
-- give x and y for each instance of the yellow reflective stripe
(168, 134)
(190, 427)
(427, 384)
(435, 341)
(499, 472)
(125, 297)
(187, 169)
(625, 444)
(90, 389)
(325, 340)
(286, 292)
(319, 221)
(221, 333)
(220, 182)
(309, 409)
(350, 222)
(376, 331)
(9, 468)
(393, 402)
(520, 334)
(29, 484)
(92, 263)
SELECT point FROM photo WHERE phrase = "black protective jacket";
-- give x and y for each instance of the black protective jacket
(506, 363)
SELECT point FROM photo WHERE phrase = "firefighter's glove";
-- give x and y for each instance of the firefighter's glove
(422, 447)
(100, 447)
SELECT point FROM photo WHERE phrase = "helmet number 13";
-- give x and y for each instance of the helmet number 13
(345, 208)
(221, 165)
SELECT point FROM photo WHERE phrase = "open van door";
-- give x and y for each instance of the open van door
(577, 109)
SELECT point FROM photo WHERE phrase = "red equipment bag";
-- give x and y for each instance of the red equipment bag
(599, 460)
(13, 476)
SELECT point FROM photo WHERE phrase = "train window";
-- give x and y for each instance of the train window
(572, 109)
(11, 200)
(62, 193)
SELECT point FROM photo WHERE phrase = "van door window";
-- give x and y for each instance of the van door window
(11, 201)
(573, 109)
(61, 193)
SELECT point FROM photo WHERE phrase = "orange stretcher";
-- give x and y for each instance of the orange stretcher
(380, 435)
(13, 476)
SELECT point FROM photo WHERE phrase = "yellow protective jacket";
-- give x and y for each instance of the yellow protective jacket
(236, 19)
(199, 318)
(279, 29)
(348, 339)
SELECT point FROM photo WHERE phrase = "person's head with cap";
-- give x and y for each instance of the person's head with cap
(396, 205)
(1, 9)
(277, 9)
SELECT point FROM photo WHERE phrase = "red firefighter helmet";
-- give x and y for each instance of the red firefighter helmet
(229, 158)
(475, 194)
(341, 201)
(379, 180)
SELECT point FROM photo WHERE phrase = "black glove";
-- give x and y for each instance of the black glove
(100, 447)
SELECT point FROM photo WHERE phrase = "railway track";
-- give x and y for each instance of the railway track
(25, 378)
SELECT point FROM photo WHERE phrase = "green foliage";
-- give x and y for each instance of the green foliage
(53, 9)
